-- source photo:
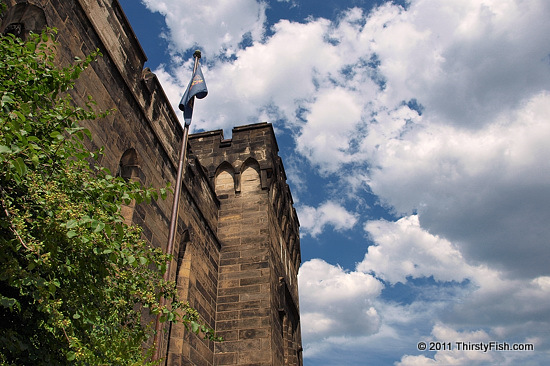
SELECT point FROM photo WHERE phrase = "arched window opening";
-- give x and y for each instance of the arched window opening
(128, 168)
(225, 180)
(23, 18)
(181, 256)
(17, 29)
(250, 177)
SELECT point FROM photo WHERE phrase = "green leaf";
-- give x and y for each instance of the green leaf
(71, 356)
(5, 150)
(87, 133)
(51, 288)
(120, 229)
(20, 167)
(195, 327)
(18, 115)
(85, 219)
(6, 99)
(8, 302)
(31, 46)
(97, 226)
(71, 234)
(108, 230)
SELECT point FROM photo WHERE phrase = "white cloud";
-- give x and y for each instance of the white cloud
(463, 60)
(445, 334)
(476, 181)
(442, 333)
(403, 249)
(314, 220)
(267, 81)
(334, 302)
(401, 327)
(511, 307)
(336, 112)
(216, 26)
(500, 308)
(483, 189)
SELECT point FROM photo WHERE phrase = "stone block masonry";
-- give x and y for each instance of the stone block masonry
(257, 309)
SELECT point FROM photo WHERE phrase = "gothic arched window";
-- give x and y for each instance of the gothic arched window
(129, 169)
(23, 18)
(250, 176)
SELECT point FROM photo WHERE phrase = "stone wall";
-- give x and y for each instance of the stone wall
(258, 229)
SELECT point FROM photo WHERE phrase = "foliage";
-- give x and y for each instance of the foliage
(74, 279)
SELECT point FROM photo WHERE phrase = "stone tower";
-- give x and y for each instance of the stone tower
(237, 248)
(257, 306)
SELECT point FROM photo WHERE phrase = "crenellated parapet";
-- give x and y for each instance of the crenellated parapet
(249, 144)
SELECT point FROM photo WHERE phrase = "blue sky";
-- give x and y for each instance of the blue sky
(415, 137)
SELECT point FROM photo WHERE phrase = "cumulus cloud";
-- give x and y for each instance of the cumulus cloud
(334, 302)
(218, 27)
(272, 80)
(328, 140)
(403, 249)
(314, 220)
(483, 190)
(500, 308)
(444, 334)
(401, 327)
(464, 60)
(512, 308)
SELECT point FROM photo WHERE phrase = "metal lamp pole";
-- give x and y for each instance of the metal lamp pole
(174, 218)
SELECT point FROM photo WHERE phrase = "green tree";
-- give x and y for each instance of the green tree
(74, 279)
